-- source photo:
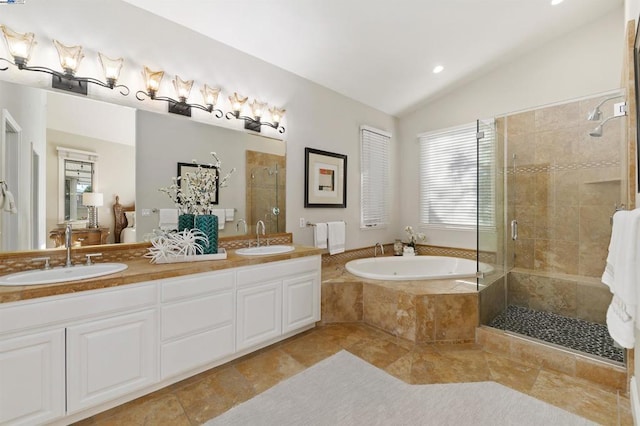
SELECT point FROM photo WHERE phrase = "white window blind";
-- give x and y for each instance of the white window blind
(374, 177)
(449, 186)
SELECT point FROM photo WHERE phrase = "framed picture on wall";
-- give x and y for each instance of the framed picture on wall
(199, 175)
(325, 179)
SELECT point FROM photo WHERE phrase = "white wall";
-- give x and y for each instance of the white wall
(585, 61)
(316, 117)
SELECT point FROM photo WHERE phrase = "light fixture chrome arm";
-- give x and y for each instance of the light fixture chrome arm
(179, 107)
(66, 81)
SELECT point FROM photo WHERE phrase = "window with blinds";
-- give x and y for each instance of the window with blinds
(374, 177)
(449, 186)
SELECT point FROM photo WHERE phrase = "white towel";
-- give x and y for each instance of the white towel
(229, 214)
(336, 237)
(320, 235)
(622, 276)
(221, 217)
(168, 220)
(8, 202)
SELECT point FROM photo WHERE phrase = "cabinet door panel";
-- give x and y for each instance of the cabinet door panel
(194, 351)
(109, 358)
(32, 378)
(259, 314)
(300, 302)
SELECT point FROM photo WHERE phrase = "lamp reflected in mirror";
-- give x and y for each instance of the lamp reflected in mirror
(93, 200)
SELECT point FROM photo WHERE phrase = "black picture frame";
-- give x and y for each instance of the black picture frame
(192, 167)
(325, 179)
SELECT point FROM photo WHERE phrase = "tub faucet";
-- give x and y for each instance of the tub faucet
(244, 223)
(258, 231)
(67, 244)
(375, 249)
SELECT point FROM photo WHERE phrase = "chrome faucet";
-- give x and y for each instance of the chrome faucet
(67, 244)
(244, 223)
(375, 249)
(258, 231)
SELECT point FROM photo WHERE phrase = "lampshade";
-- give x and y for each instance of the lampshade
(152, 80)
(19, 45)
(210, 95)
(70, 57)
(92, 199)
(183, 88)
(237, 101)
(111, 67)
(257, 108)
(276, 115)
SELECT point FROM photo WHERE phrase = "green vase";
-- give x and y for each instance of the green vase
(208, 225)
(185, 222)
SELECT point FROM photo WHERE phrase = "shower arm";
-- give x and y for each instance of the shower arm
(596, 109)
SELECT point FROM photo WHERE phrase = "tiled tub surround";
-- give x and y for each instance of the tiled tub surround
(424, 311)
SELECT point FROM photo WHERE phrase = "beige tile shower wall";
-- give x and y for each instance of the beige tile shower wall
(265, 191)
(565, 185)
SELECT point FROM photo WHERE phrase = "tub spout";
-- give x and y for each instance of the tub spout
(375, 249)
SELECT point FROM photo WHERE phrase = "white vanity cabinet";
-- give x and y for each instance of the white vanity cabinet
(66, 357)
(197, 321)
(32, 378)
(275, 299)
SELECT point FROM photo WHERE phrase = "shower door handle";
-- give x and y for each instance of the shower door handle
(514, 229)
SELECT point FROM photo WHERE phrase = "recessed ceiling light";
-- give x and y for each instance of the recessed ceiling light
(556, 2)
(438, 69)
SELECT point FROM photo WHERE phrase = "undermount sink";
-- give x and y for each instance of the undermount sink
(58, 275)
(256, 251)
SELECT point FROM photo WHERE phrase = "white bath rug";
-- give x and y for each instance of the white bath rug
(345, 390)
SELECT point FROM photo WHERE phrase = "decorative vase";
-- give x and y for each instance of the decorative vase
(186, 221)
(208, 225)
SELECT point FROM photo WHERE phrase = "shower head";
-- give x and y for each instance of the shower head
(597, 132)
(595, 114)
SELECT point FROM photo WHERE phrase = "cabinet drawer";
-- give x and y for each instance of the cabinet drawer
(51, 310)
(195, 285)
(195, 351)
(275, 270)
(203, 313)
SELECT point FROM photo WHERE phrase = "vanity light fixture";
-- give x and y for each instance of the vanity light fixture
(21, 45)
(257, 109)
(152, 81)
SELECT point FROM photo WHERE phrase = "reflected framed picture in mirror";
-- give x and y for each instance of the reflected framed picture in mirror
(325, 179)
(203, 178)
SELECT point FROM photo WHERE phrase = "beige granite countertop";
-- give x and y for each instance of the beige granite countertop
(141, 269)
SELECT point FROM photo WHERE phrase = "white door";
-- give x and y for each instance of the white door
(259, 311)
(110, 357)
(32, 378)
(301, 302)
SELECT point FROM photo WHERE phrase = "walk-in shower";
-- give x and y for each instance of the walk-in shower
(266, 177)
(560, 189)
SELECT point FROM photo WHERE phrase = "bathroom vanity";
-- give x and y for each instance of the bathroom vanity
(71, 354)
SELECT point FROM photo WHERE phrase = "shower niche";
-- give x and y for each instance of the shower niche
(266, 195)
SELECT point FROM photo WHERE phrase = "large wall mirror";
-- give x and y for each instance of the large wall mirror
(135, 151)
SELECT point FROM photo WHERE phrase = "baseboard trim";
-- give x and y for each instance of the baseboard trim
(635, 402)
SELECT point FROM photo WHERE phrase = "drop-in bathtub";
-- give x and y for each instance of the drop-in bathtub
(402, 268)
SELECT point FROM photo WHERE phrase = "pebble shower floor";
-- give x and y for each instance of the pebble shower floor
(581, 335)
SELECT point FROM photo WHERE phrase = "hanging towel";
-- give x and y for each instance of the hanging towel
(336, 237)
(229, 214)
(168, 220)
(221, 217)
(622, 277)
(320, 235)
(8, 202)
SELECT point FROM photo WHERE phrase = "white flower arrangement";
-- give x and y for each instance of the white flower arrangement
(414, 237)
(170, 245)
(196, 192)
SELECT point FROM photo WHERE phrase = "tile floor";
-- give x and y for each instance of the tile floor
(202, 397)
